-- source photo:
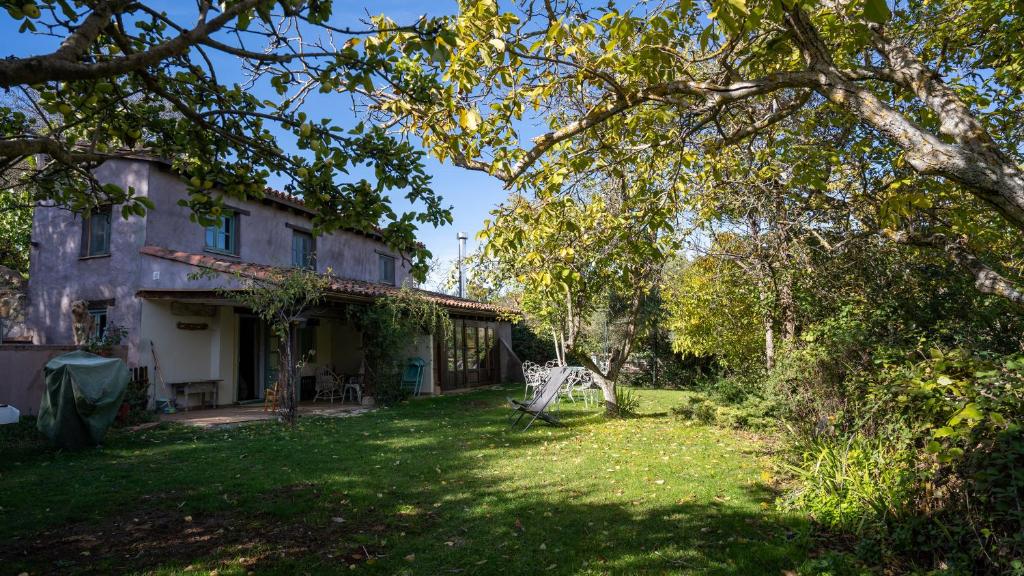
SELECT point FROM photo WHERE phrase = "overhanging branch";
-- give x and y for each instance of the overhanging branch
(986, 280)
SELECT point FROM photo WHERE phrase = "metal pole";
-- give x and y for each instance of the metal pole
(462, 267)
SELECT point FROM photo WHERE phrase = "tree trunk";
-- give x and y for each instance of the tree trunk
(287, 378)
(788, 308)
(605, 383)
(769, 341)
(972, 160)
(611, 401)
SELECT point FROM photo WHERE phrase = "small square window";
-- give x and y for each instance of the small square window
(387, 269)
(96, 232)
(100, 316)
(223, 237)
(303, 251)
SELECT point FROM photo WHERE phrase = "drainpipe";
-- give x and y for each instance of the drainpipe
(462, 267)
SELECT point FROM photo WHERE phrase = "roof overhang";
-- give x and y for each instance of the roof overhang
(342, 290)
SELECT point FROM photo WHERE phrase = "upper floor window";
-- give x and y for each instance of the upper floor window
(96, 232)
(387, 269)
(303, 250)
(223, 236)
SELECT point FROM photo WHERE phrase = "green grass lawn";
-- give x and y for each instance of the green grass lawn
(435, 486)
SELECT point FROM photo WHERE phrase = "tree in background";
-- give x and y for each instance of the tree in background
(712, 310)
(15, 231)
(568, 257)
(125, 78)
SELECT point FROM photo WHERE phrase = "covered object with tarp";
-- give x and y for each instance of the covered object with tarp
(83, 394)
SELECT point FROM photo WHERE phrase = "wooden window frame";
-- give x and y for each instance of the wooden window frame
(380, 269)
(299, 231)
(236, 234)
(97, 309)
(87, 226)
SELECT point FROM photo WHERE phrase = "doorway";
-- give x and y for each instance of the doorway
(248, 358)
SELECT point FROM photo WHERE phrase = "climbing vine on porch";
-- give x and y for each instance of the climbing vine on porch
(390, 326)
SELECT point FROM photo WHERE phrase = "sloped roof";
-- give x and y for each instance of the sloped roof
(339, 285)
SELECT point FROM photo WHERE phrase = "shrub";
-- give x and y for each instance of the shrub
(136, 396)
(627, 401)
(856, 484)
(701, 407)
(815, 379)
(930, 466)
(531, 346)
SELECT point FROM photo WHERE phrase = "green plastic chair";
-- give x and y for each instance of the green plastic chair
(412, 377)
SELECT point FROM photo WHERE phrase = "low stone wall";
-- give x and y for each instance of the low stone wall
(21, 372)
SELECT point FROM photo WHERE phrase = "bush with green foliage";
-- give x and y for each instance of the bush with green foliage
(627, 401)
(390, 327)
(530, 345)
(752, 412)
(136, 396)
(926, 462)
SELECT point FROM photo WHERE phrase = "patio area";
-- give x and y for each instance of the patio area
(238, 414)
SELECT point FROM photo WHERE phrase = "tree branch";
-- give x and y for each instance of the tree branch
(54, 67)
(986, 280)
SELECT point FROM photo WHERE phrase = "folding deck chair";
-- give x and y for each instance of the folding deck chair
(547, 392)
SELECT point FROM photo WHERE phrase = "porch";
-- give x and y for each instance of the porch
(201, 336)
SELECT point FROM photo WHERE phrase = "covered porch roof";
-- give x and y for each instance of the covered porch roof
(340, 290)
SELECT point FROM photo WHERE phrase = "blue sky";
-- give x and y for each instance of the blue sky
(471, 194)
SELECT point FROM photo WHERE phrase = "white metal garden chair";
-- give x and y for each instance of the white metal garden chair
(327, 385)
(354, 384)
(535, 375)
(587, 388)
(579, 382)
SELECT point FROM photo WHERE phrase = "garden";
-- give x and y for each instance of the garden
(431, 486)
(781, 238)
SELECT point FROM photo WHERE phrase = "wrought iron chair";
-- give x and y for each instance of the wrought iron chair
(534, 374)
(327, 385)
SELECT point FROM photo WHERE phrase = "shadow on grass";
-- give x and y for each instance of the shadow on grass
(433, 487)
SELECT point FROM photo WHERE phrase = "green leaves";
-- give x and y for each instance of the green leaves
(469, 119)
(876, 11)
(970, 412)
(223, 138)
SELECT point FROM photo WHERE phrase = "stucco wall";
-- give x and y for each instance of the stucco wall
(346, 348)
(264, 235)
(59, 275)
(424, 348)
(22, 384)
(509, 366)
(191, 354)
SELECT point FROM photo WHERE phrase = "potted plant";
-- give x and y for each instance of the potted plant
(103, 344)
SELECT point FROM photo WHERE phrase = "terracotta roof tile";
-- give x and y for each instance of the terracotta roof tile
(339, 285)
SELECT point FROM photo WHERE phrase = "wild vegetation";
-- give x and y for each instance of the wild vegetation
(390, 327)
(819, 204)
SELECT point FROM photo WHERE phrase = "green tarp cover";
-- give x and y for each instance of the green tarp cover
(82, 397)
